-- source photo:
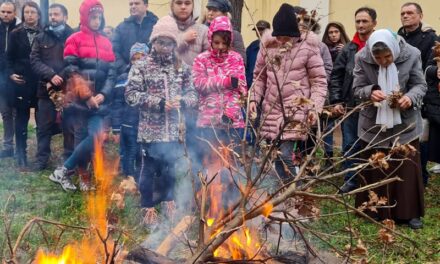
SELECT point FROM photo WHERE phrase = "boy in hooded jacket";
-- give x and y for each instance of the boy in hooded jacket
(89, 56)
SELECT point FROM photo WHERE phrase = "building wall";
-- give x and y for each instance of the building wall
(339, 10)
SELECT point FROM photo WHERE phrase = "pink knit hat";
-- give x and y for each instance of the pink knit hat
(165, 27)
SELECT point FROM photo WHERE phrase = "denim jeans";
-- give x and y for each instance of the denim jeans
(158, 172)
(424, 156)
(285, 159)
(350, 145)
(7, 112)
(68, 122)
(129, 150)
(86, 129)
(327, 125)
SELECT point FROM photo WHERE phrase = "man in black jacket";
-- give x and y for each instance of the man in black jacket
(415, 32)
(7, 24)
(136, 28)
(47, 62)
(423, 37)
(340, 89)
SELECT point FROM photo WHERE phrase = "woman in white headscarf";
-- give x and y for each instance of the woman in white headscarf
(390, 68)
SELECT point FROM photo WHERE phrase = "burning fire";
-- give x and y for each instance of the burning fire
(92, 249)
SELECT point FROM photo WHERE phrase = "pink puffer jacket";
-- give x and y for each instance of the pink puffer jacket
(219, 102)
(301, 74)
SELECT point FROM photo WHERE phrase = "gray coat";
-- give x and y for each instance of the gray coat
(412, 84)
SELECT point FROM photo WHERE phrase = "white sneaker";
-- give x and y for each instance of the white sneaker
(435, 169)
(86, 186)
(60, 175)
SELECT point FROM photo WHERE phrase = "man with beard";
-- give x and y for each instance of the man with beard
(341, 92)
(47, 62)
(7, 24)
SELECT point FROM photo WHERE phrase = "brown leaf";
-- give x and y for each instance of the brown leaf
(118, 199)
(378, 160)
(389, 223)
(128, 185)
(359, 250)
(385, 236)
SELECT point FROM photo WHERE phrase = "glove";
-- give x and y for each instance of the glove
(234, 82)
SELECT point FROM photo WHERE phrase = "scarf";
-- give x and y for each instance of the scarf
(388, 78)
(356, 40)
(31, 33)
(58, 30)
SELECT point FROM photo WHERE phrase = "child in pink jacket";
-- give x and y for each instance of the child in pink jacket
(219, 77)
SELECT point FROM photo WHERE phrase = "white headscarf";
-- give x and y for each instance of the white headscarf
(388, 78)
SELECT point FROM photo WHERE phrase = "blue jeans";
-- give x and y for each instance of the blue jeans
(129, 150)
(350, 145)
(86, 129)
(285, 159)
(327, 125)
(157, 171)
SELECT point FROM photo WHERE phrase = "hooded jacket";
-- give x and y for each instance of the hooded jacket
(301, 74)
(212, 74)
(412, 84)
(90, 54)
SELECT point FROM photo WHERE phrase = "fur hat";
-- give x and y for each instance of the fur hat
(165, 27)
(284, 22)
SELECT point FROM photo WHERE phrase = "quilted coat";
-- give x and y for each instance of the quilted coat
(212, 74)
(299, 70)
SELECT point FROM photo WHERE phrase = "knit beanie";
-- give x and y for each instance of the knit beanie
(139, 48)
(284, 22)
(223, 5)
(165, 27)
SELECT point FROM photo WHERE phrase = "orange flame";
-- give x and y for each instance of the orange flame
(91, 248)
(267, 209)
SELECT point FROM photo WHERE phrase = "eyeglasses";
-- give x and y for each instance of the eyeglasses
(165, 43)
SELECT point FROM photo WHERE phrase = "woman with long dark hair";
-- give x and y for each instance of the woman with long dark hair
(335, 38)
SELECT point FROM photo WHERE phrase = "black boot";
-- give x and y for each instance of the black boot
(6, 153)
(22, 160)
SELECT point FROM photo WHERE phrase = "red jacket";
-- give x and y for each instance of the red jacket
(87, 43)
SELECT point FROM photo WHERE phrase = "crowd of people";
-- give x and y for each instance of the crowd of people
(153, 83)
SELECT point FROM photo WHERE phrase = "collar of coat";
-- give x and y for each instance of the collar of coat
(424, 28)
(404, 55)
(148, 16)
(310, 38)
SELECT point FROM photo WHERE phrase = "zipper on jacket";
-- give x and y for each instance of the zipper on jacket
(6, 38)
(97, 60)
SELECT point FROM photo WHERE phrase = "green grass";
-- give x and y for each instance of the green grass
(34, 195)
(336, 231)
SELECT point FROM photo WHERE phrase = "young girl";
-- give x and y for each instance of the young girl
(219, 77)
(160, 84)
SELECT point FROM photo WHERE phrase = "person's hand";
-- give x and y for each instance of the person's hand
(234, 82)
(253, 107)
(57, 80)
(339, 47)
(99, 98)
(312, 117)
(91, 103)
(405, 102)
(18, 79)
(339, 109)
(378, 96)
(116, 138)
(190, 36)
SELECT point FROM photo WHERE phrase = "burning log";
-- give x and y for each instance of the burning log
(146, 256)
(171, 240)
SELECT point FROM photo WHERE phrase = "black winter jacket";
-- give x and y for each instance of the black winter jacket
(5, 33)
(47, 58)
(431, 101)
(340, 89)
(122, 113)
(422, 38)
(19, 50)
(126, 34)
